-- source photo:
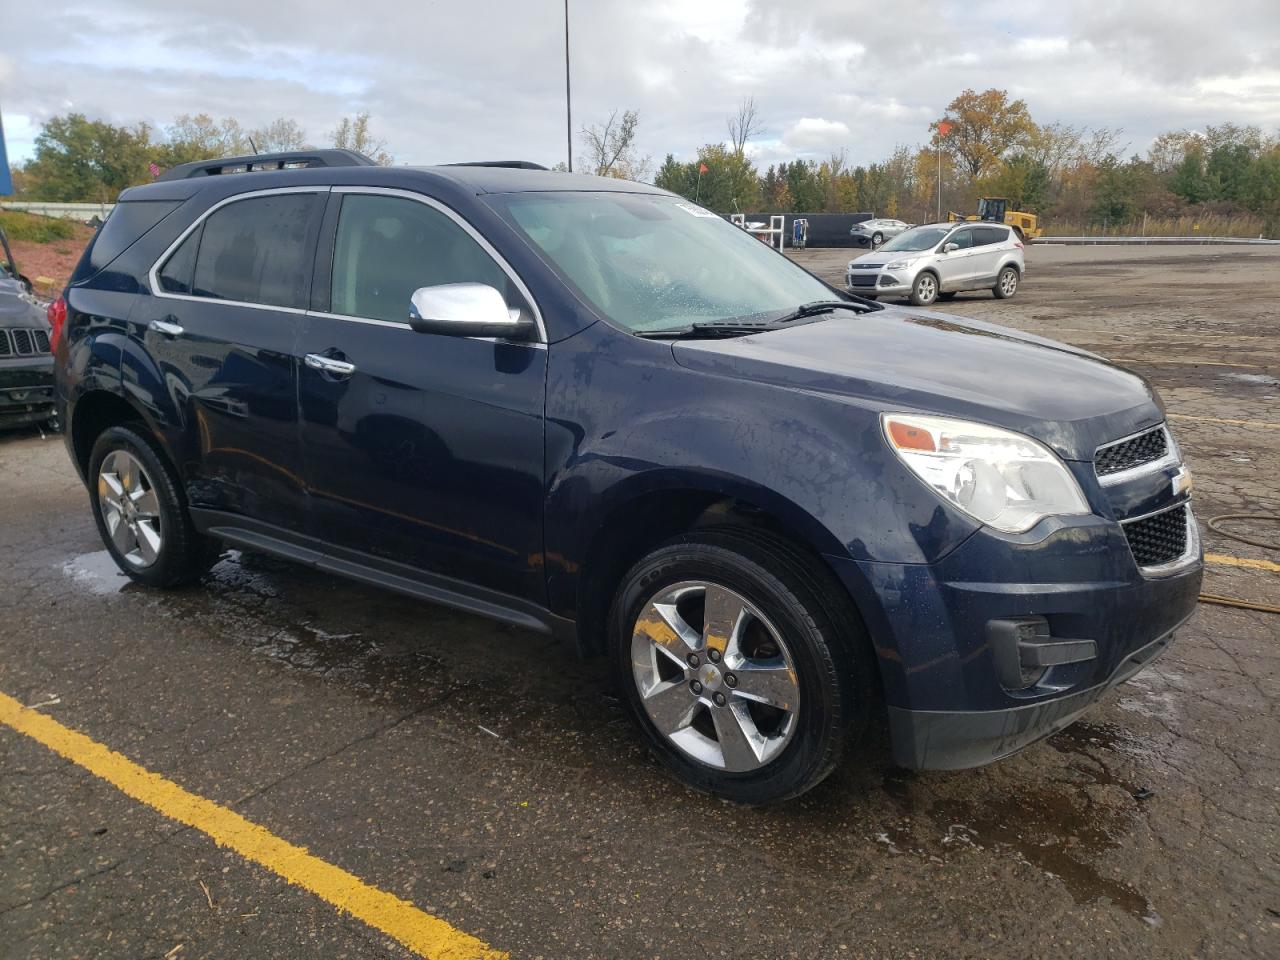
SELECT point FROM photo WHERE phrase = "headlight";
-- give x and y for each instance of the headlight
(1001, 478)
(900, 264)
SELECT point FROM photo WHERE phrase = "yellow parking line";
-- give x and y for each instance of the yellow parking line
(1224, 560)
(1265, 424)
(422, 933)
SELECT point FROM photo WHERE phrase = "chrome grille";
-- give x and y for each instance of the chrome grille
(1133, 452)
(1160, 538)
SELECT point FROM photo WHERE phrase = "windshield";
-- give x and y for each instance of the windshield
(917, 238)
(649, 262)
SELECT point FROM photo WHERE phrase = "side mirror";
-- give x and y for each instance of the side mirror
(950, 247)
(466, 310)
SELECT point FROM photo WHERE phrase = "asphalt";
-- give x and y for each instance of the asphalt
(489, 777)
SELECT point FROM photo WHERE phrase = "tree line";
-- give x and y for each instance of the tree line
(987, 144)
(984, 144)
(77, 158)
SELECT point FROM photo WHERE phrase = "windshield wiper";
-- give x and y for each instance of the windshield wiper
(820, 306)
(705, 331)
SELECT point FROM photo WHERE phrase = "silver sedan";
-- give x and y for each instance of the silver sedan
(877, 231)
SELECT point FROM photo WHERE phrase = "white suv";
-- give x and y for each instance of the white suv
(938, 260)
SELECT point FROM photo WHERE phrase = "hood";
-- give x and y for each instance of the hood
(882, 256)
(916, 360)
(16, 309)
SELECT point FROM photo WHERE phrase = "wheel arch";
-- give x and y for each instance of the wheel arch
(94, 412)
(635, 524)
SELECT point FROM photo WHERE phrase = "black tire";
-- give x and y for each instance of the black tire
(877, 238)
(184, 555)
(947, 296)
(924, 290)
(823, 634)
(1006, 283)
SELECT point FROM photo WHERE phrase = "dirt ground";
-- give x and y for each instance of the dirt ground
(489, 777)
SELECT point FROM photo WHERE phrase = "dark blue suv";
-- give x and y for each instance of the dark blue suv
(591, 408)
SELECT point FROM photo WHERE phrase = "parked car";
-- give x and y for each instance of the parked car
(26, 365)
(875, 232)
(938, 260)
(593, 409)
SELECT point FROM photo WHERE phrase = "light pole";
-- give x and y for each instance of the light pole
(568, 105)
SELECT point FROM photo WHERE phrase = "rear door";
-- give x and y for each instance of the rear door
(955, 268)
(420, 449)
(223, 325)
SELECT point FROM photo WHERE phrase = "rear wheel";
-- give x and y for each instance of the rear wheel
(877, 238)
(141, 513)
(925, 289)
(1006, 284)
(734, 668)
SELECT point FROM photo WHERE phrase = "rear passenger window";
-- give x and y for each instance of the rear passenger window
(388, 247)
(175, 275)
(987, 235)
(258, 251)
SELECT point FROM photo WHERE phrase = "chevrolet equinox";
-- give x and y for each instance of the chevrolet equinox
(591, 408)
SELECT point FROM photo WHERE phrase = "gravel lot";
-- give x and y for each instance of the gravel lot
(489, 777)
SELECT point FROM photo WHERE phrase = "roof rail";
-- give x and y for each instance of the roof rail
(291, 160)
(513, 164)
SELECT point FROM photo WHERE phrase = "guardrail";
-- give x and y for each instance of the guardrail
(83, 212)
(1078, 241)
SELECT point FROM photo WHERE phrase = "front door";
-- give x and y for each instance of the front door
(422, 449)
(223, 324)
(955, 268)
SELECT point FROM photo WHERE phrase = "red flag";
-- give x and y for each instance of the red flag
(702, 168)
(944, 128)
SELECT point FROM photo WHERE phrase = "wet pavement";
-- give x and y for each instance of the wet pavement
(490, 777)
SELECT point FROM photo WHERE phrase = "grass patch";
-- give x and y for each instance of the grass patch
(35, 229)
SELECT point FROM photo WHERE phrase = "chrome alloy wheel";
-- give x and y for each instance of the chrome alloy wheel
(927, 288)
(1009, 282)
(715, 676)
(130, 509)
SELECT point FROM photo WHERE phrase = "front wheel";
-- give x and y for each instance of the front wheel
(925, 290)
(1006, 284)
(734, 667)
(141, 513)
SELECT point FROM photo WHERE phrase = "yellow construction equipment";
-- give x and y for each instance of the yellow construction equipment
(996, 210)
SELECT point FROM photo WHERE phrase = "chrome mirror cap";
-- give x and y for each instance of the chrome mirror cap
(466, 310)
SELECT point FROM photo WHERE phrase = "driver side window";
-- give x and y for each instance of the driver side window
(962, 239)
(388, 247)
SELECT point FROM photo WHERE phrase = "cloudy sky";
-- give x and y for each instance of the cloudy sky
(484, 79)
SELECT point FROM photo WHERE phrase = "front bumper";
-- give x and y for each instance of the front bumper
(26, 391)
(941, 664)
(958, 739)
(880, 283)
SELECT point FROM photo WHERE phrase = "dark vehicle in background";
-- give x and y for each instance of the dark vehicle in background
(594, 409)
(26, 365)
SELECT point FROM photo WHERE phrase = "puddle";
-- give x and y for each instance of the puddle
(1061, 824)
(96, 572)
(1260, 378)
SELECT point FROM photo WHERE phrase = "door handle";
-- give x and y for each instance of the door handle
(165, 327)
(339, 368)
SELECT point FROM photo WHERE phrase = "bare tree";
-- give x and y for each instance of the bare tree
(354, 135)
(744, 125)
(611, 148)
(278, 136)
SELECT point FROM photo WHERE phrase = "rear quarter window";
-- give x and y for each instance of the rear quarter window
(125, 225)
